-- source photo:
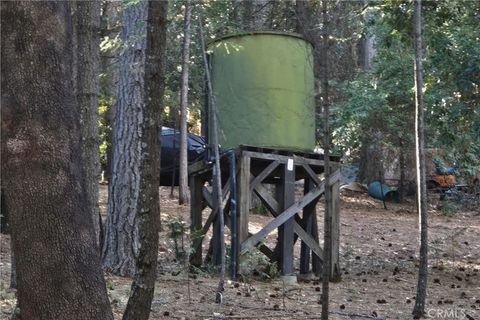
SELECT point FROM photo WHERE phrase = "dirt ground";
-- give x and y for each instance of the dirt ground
(379, 251)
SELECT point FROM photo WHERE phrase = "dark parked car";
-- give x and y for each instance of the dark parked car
(170, 153)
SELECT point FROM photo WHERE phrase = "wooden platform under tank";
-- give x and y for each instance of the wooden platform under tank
(294, 218)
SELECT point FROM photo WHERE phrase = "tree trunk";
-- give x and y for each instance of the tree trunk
(183, 170)
(401, 162)
(255, 14)
(13, 268)
(88, 52)
(237, 17)
(121, 235)
(110, 24)
(327, 254)
(247, 15)
(260, 14)
(306, 20)
(419, 308)
(303, 18)
(148, 214)
(58, 267)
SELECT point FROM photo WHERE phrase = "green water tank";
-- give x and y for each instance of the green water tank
(264, 90)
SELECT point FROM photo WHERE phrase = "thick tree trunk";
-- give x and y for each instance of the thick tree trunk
(121, 242)
(88, 52)
(327, 221)
(419, 308)
(13, 268)
(183, 192)
(58, 267)
(148, 209)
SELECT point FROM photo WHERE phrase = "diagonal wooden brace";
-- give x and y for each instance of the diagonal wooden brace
(281, 218)
(272, 206)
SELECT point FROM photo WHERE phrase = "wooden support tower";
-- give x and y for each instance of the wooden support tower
(294, 218)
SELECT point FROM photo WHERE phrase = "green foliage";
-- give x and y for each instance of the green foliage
(375, 102)
(104, 128)
(261, 210)
(382, 98)
(110, 44)
(256, 263)
(177, 229)
(450, 207)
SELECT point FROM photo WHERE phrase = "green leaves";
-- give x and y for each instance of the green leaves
(382, 98)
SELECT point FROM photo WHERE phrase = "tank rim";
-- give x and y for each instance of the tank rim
(253, 33)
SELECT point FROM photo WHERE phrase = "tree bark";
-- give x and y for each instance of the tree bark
(419, 308)
(58, 267)
(183, 170)
(303, 18)
(148, 210)
(306, 20)
(13, 268)
(88, 54)
(109, 27)
(327, 232)
(247, 15)
(121, 236)
(401, 162)
(237, 17)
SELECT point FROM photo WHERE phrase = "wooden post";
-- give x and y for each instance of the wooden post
(317, 264)
(285, 232)
(308, 216)
(335, 274)
(196, 207)
(216, 232)
(243, 187)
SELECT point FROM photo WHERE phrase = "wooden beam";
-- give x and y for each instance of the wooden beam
(273, 206)
(284, 216)
(207, 195)
(226, 189)
(243, 189)
(217, 227)
(314, 162)
(285, 230)
(309, 241)
(266, 156)
(335, 229)
(267, 199)
(208, 223)
(266, 251)
(265, 173)
(196, 203)
(284, 158)
(217, 234)
(308, 213)
(199, 167)
(317, 262)
(311, 174)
